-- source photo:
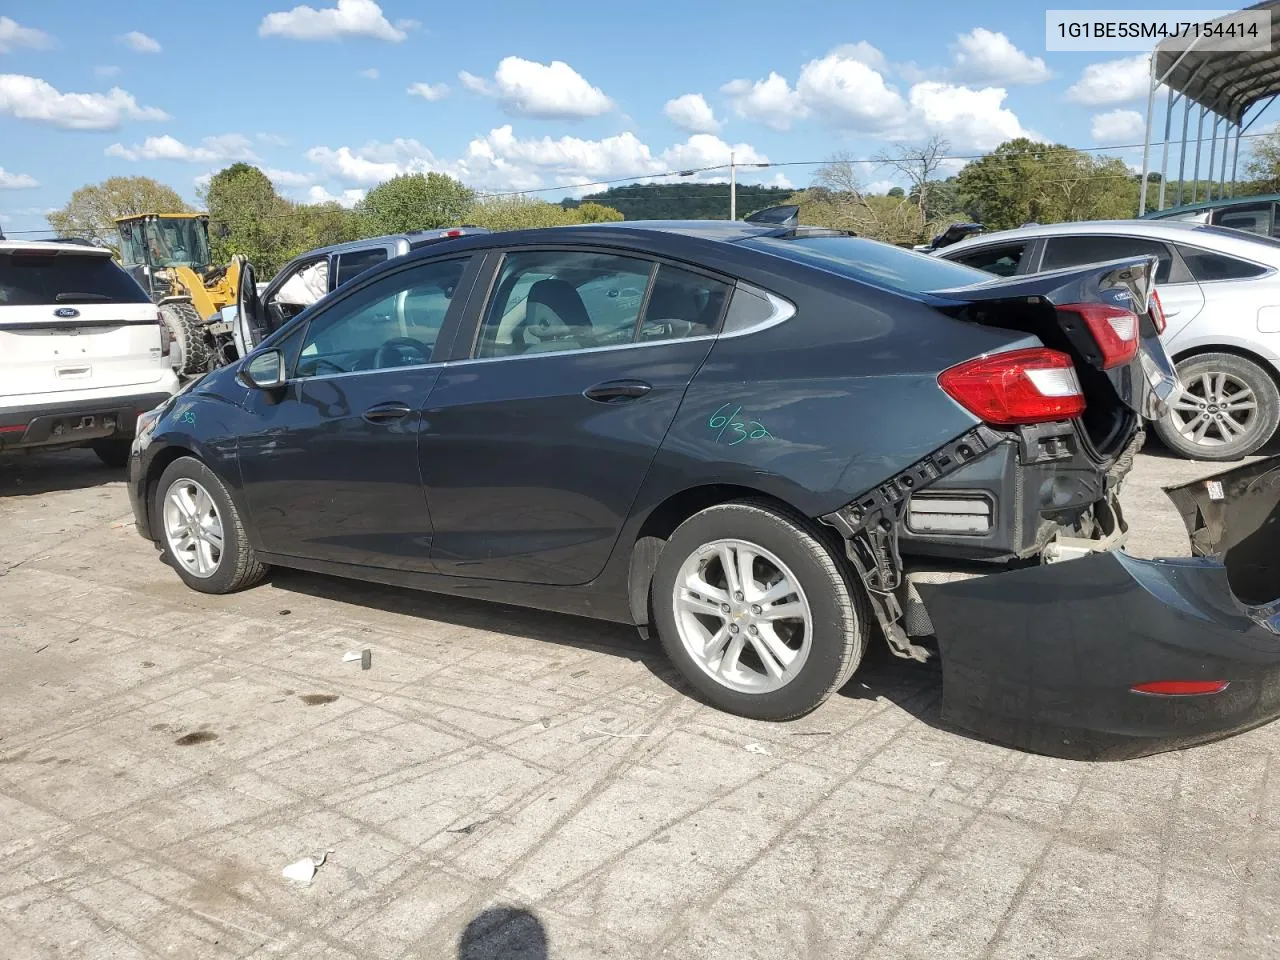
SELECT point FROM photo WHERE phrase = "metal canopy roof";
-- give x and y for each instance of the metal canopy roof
(1225, 82)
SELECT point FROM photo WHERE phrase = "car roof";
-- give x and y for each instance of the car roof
(1210, 205)
(52, 246)
(1177, 231)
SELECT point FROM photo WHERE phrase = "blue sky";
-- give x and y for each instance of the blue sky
(334, 96)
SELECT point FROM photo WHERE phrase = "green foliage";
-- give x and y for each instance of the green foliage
(523, 213)
(896, 192)
(91, 211)
(682, 201)
(247, 216)
(1022, 181)
(415, 201)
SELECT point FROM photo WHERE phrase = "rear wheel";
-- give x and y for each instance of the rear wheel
(1229, 408)
(113, 453)
(201, 533)
(755, 613)
(188, 342)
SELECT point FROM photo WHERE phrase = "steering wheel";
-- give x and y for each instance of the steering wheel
(391, 353)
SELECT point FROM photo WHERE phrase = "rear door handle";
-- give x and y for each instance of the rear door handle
(387, 412)
(617, 391)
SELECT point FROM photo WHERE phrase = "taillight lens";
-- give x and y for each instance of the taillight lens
(166, 337)
(1157, 313)
(1114, 329)
(1035, 385)
(1180, 688)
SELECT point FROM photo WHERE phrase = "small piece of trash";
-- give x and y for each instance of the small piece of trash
(304, 870)
(469, 829)
(45, 647)
(351, 656)
(364, 656)
(811, 733)
(579, 673)
(593, 732)
(759, 748)
(285, 613)
(938, 763)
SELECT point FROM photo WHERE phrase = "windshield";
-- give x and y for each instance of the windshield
(873, 262)
(37, 278)
(132, 251)
(177, 242)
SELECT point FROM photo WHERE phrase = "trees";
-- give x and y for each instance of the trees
(1022, 181)
(837, 200)
(919, 163)
(1263, 167)
(92, 209)
(522, 213)
(247, 216)
(415, 201)
(682, 200)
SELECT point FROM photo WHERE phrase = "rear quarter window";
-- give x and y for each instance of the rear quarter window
(1206, 265)
(35, 278)
(873, 262)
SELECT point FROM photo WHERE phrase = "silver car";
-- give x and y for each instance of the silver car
(1220, 290)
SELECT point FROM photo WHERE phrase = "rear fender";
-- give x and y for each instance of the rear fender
(1045, 658)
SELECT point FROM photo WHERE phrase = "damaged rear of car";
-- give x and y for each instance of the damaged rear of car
(1005, 547)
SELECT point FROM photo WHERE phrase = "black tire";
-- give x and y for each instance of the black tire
(839, 608)
(113, 453)
(184, 325)
(238, 566)
(1237, 373)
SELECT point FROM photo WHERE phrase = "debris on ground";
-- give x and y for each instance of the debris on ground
(759, 748)
(303, 871)
(364, 656)
(469, 829)
(590, 732)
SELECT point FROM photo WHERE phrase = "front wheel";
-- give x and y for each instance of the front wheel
(202, 536)
(1229, 407)
(754, 611)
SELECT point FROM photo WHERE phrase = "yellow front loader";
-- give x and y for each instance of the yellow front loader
(168, 254)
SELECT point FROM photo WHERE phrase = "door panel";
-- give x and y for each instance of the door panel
(332, 473)
(533, 457)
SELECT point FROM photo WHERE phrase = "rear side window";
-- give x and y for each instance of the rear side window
(1099, 248)
(1002, 260)
(38, 278)
(351, 265)
(870, 261)
(1206, 265)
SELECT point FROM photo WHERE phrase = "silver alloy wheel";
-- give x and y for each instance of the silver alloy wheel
(1215, 409)
(193, 528)
(742, 616)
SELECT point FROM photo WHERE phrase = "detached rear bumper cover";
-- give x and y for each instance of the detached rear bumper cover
(1044, 659)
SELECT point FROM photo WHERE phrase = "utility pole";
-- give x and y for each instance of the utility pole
(733, 188)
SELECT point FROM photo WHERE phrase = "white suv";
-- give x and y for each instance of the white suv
(82, 350)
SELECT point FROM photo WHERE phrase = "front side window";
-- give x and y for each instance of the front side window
(351, 265)
(1099, 248)
(393, 322)
(1002, 260)
(556, 300)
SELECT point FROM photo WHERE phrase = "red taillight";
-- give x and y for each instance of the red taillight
(166, 336)
(16, 428)
(1114, 330)
(1157, 313)
(453, 233)
(1180, 688)
(1034, 385)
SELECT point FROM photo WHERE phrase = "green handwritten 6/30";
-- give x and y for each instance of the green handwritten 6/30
(737, 428)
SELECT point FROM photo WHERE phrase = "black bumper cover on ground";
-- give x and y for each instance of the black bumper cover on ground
(1044, 658)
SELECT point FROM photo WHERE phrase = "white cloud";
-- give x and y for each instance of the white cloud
(16, 181)
(970, 119)
(428, 91)
(691, 112)
(770, 101)
(370, 74)
(983, 56)
(139, 42)
(225, 147)
(273, 139)
(879, 186)
(14, 35)
(348, 198)
(850, 94)
(30, 98)
(540, 90)
(705, 150)
(350, 18)
(863, 52)
(1114, 81)
(106, 72)
(288, 179)
(1118, 126)
(353, 166)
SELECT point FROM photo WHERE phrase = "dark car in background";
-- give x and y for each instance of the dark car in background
(1256, 214)
(766, 443)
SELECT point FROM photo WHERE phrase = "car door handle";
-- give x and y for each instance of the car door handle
(387, 412)
(617, 391)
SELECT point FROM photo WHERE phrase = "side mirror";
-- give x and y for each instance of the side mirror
(264, 371)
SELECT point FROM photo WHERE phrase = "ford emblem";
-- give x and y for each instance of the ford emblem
(66, 313)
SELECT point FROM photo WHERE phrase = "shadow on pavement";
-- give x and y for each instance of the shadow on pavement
(1155, 447)
(29, 474)
(504, 933)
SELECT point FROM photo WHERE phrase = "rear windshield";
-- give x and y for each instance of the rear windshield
(32, 279)
(1235, 234)
(873, 262)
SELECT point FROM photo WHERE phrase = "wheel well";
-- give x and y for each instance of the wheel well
(1267, 366)
(155, 470)
(662, 522)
